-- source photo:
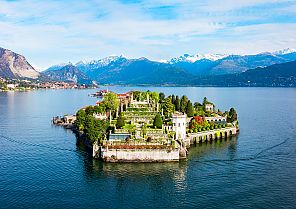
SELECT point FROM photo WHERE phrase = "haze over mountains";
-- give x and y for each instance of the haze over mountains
(184, 70)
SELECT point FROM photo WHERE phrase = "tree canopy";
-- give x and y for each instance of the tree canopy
(168, 107)
(154, 96)
(120, 121)
(189, 109)
(92, 128)
(183, 103)
(157, 121)
(80, 120)
(161, 96)
(177, 103)
(232, 115)
(111, 102)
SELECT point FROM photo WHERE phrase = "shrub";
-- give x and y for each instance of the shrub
(157, 121)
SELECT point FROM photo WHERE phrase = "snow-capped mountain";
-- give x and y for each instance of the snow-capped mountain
(118, 69)
(58, 66)
(196, 57)
(284, 51)
(99, 63)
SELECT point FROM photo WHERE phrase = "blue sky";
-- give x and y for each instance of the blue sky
(52, 32)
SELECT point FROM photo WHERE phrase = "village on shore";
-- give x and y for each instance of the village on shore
(8, 84)
(147, 126)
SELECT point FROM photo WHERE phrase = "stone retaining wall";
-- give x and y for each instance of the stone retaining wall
(139, 155)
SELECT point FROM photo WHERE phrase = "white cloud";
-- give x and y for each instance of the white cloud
(50, 32)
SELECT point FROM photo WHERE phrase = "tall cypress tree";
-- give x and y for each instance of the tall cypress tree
(177, 103)
(183, 103)
(189, 109)
(168, 107)
(232, 116)
(120, 121)
(161, 97)
(173, 99)
(157, 121)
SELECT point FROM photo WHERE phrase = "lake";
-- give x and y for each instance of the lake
(41, 166)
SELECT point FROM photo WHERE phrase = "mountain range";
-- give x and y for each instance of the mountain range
(277, 75)
(180, 70)
(184, 70)
(68, 73)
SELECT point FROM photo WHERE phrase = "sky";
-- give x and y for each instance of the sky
(53, 32)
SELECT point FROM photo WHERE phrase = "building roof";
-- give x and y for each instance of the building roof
(123, 95)
(98, 102)
(179, 115)
(127, 94)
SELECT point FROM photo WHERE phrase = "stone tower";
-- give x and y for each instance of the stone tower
(179, 125)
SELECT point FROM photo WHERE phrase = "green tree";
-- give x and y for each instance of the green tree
(3, 85)
(173, 99)
(89, 110)
(155, 96)
(168, 107)
(120, 121)
(232, 115)
(161, 97)
(111, 102)
(100, 109)
(189, 109)
(157, 121)
(95, 129)
(177, 103)
(205, 101)
(183, 103)
(80, 120)
(136, 95)
(196, 105)
(144, 129)
(144, 95)
(91, 132)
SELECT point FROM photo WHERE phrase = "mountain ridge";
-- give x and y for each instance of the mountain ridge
(277, 75)
(203, 64)
(68, 73)
(13, 65)
(142, 71)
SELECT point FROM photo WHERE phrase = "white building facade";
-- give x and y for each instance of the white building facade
(179, 125)
(209, 107)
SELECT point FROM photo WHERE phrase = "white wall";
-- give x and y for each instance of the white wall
(143, 155)
(179, 126)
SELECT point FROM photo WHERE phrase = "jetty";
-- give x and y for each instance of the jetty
(67, 121)
(100, 93)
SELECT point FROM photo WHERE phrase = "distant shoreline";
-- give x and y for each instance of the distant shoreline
(138, 85)
(178, 85)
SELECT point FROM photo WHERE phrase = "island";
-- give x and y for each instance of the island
(148, 126)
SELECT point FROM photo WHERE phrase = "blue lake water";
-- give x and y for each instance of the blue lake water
(41, 166)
